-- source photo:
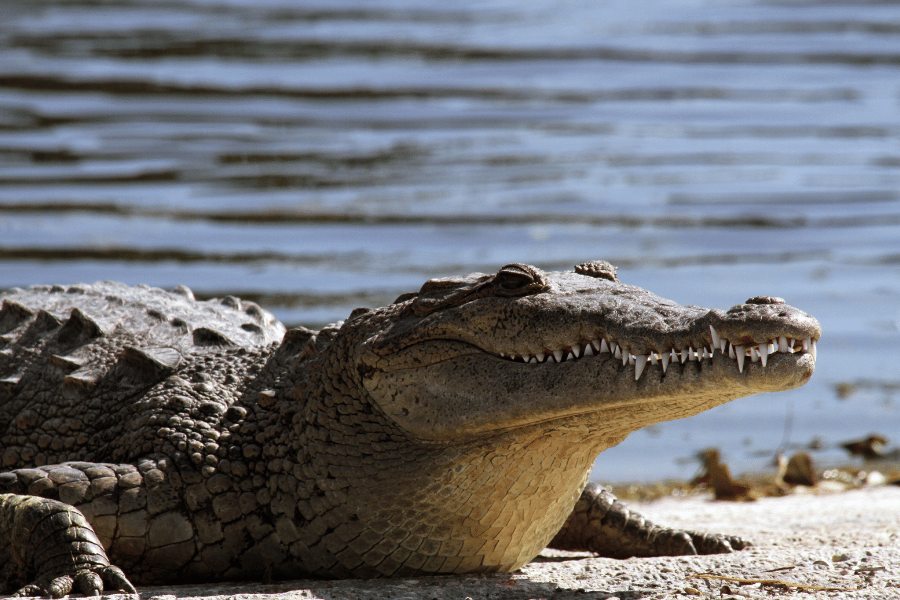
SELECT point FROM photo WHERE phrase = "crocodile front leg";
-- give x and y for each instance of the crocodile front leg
(48, 548)
(600, 523)
(58, 522)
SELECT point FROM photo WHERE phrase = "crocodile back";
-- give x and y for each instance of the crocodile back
(91, 372)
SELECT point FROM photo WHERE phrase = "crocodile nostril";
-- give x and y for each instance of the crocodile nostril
(765, 300)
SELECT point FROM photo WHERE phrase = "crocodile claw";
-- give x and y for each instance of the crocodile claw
(707, 543)
(54, 541)
(87, 581)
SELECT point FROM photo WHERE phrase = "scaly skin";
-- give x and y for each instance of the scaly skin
(450, 432)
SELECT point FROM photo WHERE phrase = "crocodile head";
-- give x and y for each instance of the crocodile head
(482, 354)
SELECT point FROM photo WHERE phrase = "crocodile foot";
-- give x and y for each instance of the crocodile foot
(88, 581)
(600, 523)
(54, 547)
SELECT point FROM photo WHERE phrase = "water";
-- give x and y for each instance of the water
(316, 157)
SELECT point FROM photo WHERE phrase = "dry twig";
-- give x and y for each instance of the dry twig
(770, 582)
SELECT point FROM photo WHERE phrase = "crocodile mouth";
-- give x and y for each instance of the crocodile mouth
(429, 397)
(739, 353)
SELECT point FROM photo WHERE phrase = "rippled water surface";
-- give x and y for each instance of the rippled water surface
(316, 157)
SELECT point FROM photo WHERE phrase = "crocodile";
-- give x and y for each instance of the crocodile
(148, 437)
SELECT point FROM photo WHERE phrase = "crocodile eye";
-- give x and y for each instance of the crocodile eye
(516, 280)
(510, 281)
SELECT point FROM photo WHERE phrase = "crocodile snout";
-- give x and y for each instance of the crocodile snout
(764, 318)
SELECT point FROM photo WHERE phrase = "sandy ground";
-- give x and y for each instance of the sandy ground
(844, 545)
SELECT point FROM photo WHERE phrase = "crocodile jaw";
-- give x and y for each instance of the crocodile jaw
(474, 394)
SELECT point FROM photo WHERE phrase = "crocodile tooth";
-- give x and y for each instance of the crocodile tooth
(589, 350)
(540, 356)
(754, 355)
(558, 355)
(616, 350)
(701, 353)
(715, 336)
(664, 359)
(631, 359)
(723, 344)
(731, 352)
(654, 358)
(782, 344)
(532, 360)
(604, 347)
(812, 349)
(640, 362)
(739, 351)
(625, 356)
(576, 350)
(595, 345)
(683, 356)
(763, 353)
(503, 355)
(806, 344)
(712, 350)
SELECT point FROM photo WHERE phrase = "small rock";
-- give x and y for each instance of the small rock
(875, 478)
(692, 591)
(845, 556)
